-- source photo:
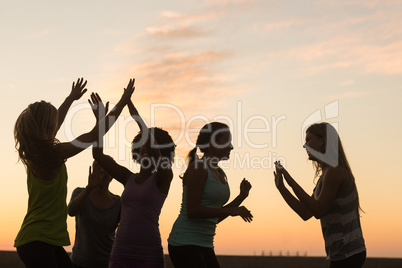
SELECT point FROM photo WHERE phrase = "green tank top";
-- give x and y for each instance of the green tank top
(46, 217)
(199, 232)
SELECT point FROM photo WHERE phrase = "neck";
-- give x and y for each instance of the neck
(146, 171)
(211, 161)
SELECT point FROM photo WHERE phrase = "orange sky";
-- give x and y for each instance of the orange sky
(265, 68)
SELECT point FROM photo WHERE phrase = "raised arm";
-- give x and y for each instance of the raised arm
(118, 172)
(74, 147)
(77, 90)
(292, 201)
(333, 178)
(78, 199)
(136, 116)
(194, 179)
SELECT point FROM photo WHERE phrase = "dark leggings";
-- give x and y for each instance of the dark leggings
(355, 261)
(38, 254)
(192, 256)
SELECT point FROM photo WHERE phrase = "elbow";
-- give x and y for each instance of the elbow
(319, 214)
(71, 212)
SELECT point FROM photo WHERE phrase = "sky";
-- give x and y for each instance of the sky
(266, 68)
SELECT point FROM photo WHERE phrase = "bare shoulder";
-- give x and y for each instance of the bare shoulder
(195, 171)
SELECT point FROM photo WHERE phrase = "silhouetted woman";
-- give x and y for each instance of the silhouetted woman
(205, 193)
(44, 232)
(335, 200)
(138, 242)
(97, 215)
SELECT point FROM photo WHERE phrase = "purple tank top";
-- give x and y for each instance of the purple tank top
(138, 236)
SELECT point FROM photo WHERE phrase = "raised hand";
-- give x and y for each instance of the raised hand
(78, 89)
(94, 177)
(97, 106)
(278, 178)
(128, 91)
(245, 187)
(281, 172)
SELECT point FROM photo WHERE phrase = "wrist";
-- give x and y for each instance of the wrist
(243, 195)
(69, 99)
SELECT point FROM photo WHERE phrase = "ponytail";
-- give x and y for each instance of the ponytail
(192, 155)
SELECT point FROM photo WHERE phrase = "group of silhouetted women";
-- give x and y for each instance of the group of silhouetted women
(119, 232)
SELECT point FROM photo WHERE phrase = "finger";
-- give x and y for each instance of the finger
(90, 103)
(99, 98)
(93, 98)
(85, 83)
(129, 85)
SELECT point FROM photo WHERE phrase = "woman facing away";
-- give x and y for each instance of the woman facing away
(138, 241)
(205, 192)
(97, 215)
(44, 232)
(335, 200)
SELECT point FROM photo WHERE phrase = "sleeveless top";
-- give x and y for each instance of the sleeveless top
(95, 231)
(341, 225)
(138, 236)
(46, 217)
(199, 232)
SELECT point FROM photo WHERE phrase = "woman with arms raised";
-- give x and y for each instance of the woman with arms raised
(43, 232)
(138, 242)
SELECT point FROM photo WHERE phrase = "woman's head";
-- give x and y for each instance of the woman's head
(324, 148)
(323, 145)
(215, 140)
(39, 121)
(164, 144)
(105, 177)
(34, 135)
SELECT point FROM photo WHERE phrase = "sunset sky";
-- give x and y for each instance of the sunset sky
(267, 68)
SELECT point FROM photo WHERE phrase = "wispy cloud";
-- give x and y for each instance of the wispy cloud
(177, 31)
(369, 43)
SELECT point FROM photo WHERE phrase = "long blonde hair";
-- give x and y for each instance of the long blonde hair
(34, 135)
(334, 148)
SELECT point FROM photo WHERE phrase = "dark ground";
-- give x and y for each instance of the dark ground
(9, 259)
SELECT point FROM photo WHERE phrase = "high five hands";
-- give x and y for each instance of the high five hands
(78, 89)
